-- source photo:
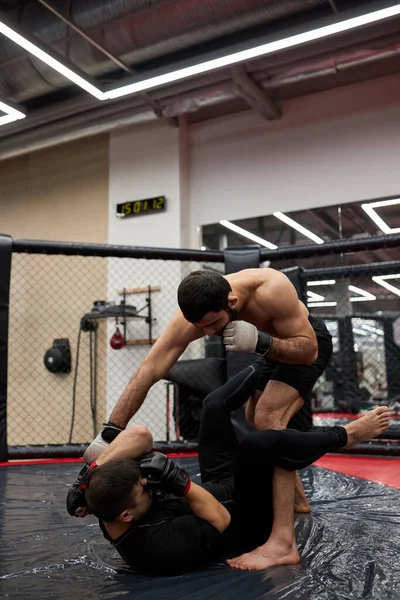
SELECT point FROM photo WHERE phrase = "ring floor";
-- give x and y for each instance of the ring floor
(349, 544)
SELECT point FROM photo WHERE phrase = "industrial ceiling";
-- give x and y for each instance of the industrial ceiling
(114, 42)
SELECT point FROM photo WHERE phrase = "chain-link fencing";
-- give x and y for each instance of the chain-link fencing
(80, 326)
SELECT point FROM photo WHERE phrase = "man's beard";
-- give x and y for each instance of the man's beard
(233, 315)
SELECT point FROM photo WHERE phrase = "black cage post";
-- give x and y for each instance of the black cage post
(5, 275)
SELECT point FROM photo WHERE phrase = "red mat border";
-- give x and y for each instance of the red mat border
(52, 461)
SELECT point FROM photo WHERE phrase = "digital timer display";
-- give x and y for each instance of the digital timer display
(141, 207)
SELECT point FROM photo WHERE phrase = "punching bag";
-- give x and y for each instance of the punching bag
(117, 340)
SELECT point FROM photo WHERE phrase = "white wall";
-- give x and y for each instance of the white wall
(341, 145)
(145, 163)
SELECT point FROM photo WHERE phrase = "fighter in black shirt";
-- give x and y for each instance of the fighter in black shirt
(162, 523)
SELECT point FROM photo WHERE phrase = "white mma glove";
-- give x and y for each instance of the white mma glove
(240, 336)
(107, 434)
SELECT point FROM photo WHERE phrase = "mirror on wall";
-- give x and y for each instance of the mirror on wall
(309, 226)
(364, 292)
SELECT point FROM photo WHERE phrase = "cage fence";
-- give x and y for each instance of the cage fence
(80, 326)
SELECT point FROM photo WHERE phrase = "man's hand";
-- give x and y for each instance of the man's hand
(76, 497)
(107, 434)
(240, 336)
(161, 472)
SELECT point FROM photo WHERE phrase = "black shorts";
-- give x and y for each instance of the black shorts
(300, 377)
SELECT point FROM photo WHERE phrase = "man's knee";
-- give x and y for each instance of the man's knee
(275, 416)
(140, 435)
(212, 402)
(269, 419)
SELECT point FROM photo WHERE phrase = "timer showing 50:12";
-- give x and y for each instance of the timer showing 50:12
(140, 207)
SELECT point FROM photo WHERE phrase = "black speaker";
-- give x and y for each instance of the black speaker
(58, 358)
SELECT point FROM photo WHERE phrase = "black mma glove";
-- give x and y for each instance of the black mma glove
(240, 336)
(161, 472)
(76, 497)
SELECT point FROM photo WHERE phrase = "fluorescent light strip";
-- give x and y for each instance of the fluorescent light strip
(51, 62)
(322, 282)
(204, 67)
(312, 304)
(247, 234)
(361, 332)
(381, 281)
(298, 227)
(257, 51)
(370, 210)
(11, 111)
(315, 297)
(393, 276)
(12, 114)
(372, 329)
(364, 295)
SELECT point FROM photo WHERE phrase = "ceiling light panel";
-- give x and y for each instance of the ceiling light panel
(11, 113)
(52, 62)
(298, 227)
(370, 210)
(248, 234)
(381, 280)
(255, 52)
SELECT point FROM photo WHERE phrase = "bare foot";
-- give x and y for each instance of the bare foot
(271, 554)
(368, 426)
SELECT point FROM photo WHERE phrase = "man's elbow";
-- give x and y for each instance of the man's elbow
(309, 353)
(312, 354)
(225, 521)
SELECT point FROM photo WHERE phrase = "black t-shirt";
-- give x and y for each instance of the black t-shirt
(170, 539)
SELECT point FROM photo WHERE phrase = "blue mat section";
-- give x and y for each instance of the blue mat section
(350, 546)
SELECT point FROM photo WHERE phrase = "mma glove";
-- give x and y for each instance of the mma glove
(106, 435)
(76, 497)
(161, 472)
(240, 336)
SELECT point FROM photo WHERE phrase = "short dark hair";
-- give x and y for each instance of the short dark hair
(201, 292)
(109, 488)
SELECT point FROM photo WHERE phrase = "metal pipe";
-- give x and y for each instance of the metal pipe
(303, 251)
(381, 268)
(333, 247)
(104, 51)
(108, 251)
(91, 41)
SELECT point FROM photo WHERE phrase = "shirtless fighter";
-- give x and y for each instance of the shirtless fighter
(255, 310)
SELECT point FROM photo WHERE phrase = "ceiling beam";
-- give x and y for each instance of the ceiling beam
(257, 98)
(333, 6)
(324, 224)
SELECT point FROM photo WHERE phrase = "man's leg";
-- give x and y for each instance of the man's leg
(218, 444)
(286, 451)
(282, 404)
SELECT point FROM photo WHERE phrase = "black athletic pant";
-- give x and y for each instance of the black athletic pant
(250, 464)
